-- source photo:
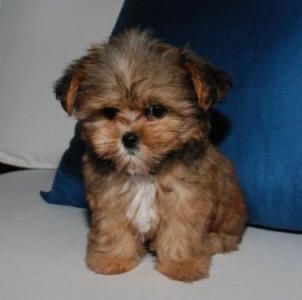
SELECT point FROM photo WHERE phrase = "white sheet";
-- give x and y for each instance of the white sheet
(37, 41)
(42, 250)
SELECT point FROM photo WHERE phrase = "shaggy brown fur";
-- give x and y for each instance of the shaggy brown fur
(165, 185)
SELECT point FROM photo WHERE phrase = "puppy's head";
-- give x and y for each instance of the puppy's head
(139, 99)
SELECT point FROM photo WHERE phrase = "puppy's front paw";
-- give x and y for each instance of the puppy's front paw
(188, 270)
(109, 265)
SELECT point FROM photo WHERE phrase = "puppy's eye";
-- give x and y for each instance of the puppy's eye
(110, 112)
(156, 111)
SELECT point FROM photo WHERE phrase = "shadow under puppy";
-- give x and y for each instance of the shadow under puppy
(150, 173)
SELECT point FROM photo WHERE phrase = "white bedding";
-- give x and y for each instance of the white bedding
(38, 38)
(42, 250)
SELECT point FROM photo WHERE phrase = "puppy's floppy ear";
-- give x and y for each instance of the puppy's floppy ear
(67, 86)
(210, 84)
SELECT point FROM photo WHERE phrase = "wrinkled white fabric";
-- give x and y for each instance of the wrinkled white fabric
(37, 41)
(43, 250)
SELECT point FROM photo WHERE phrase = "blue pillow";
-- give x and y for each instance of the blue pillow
(259, 43)
(68, 187)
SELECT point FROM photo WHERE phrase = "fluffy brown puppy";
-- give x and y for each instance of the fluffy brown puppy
(151, 175)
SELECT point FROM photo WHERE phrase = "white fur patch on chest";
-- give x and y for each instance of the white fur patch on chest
(141, 210)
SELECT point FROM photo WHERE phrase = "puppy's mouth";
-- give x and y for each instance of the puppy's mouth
(132, 152)
(133, 160)
(130, 157)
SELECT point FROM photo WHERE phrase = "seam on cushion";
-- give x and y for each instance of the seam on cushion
(298, 183)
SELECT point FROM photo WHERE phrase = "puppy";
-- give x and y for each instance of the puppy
(152, 177)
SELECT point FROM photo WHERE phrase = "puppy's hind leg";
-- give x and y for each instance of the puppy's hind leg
(222, 243)
(228, 234)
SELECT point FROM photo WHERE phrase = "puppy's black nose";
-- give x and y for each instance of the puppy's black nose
(130, 140)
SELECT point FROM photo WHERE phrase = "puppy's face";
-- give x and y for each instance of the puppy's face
(139, 100)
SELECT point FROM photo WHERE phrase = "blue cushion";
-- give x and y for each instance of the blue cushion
(68, 187)
(259, 43)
